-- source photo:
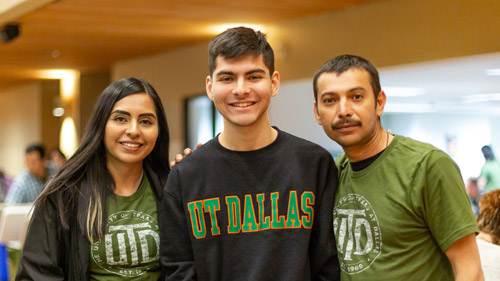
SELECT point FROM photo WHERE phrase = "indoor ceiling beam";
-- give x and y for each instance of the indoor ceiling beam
(11, 10)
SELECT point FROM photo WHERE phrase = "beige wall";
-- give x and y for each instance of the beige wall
(26, 117)
(51, 125)
(388, 33)
(20, 125)
(92, 85)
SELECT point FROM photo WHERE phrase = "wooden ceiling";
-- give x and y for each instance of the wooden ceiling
(90, 35)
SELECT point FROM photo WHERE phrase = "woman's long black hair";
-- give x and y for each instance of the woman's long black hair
(84, 181)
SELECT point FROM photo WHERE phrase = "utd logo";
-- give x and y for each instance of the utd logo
(357, 231)
(131, 245)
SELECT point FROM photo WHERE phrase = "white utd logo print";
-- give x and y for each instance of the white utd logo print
(357, 231)
(129, 249)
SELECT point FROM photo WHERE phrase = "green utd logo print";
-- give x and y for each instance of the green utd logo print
(130, 246)
(242, 215)
(357, 231)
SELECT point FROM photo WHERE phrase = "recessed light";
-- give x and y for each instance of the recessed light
(409, 108)
(55, 53)
(403, 91)
(216, 29)
(58, 111)
(493, 72)
(482, 97)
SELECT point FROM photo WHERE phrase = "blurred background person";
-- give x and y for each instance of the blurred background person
(29, 183)
(488, 240)
(4, 185)
(474, 194)
(489, 178)
(56, 158)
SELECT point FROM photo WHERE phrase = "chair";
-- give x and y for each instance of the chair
(13, 222)
(24, 230)
(2, 205)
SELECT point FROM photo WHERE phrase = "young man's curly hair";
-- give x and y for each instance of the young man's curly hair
(488, 219)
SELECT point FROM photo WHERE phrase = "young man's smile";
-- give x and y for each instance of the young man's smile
(241, 89)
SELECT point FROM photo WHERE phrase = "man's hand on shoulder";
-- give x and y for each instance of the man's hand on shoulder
(179, 157)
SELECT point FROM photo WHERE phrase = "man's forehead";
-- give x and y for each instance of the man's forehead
(351, 72)
(239, 57)
(223, 62)
(350, 78)
(33, 154)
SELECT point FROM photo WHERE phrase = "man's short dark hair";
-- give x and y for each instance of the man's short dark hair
(473, 180)
(343, 63)
(488, 152)
(238, 41)
(36, 147)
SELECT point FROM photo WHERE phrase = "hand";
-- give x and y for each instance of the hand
(178, 158)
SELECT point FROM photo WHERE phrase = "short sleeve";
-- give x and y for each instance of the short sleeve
(446, 207)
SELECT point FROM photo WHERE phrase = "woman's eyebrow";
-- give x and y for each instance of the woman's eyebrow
(120, 112)
(147, 115)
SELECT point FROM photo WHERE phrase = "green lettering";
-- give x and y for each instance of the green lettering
(197, 219)
(212, 206)
(307, 201)
(292, 219)
(233, 214)
(249, 221)
(264, 222)
(277, 221)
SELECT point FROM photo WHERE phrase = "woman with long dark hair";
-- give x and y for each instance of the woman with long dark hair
(98, 217)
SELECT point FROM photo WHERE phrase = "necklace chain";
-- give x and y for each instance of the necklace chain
(387, 141)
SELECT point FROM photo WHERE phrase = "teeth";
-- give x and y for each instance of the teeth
(242, 104)
(130, 144)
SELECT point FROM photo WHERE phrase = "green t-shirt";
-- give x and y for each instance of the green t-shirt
(395, 219)
(491, 172)
(130, 247)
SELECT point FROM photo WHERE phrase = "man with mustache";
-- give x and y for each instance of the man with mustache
(401, 211)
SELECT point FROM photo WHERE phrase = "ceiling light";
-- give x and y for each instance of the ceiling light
(403, 91)
(70, 80)
(55, 53)
(68, 138)
(58, 112)
(216, 29)
(482, 98)
(409, 108)
(493, 72)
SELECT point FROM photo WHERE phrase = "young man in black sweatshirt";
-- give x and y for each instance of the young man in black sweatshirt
(254, 203)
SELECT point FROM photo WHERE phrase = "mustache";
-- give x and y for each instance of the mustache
(344, 121)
